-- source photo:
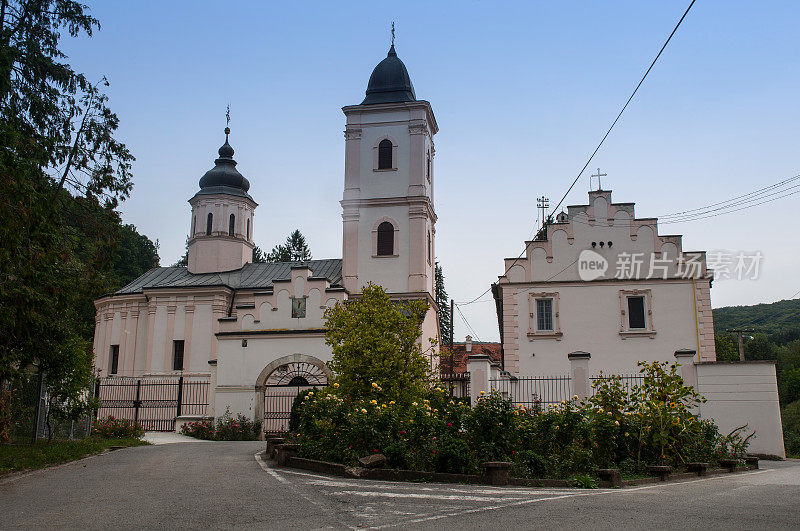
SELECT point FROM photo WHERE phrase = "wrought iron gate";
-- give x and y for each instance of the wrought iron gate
(154, 403)
(282, 387)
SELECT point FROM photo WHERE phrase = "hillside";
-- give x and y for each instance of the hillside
(778, 318)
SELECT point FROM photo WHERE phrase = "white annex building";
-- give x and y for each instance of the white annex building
(250, 326)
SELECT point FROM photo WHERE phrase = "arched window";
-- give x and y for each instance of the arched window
(248, 229)
(209, 223)
(231, 225)
(385, 154)
(194, 226)
(385, 239)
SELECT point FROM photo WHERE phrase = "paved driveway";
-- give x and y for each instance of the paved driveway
(221, 485)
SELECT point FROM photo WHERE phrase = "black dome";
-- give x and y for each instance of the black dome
(224, 173)
(389, 82)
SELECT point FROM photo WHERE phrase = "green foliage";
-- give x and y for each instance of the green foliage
(376, 346)
(258, 255)
(202, 429)
(790, 418)
(227, 428)
(293, 250)
(616, 428)
(114, 428)
(20, 457)
(443, 302)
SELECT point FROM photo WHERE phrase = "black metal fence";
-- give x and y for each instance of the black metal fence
(278, 400)
(154, 402)
(457, 383)
(629, 381)
(529, 391)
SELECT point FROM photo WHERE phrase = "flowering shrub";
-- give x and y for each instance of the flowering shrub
(239, 428)
(615, 428)
(227, 428)
(114, 428)
(203, 429)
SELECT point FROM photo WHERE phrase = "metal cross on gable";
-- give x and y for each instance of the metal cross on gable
(392, 33)
(598, 175)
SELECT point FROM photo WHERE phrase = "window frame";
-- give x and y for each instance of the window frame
(113, 360)
(175, 344)
(376, 154)
(534, 332)
(210, 224)
(625, 331)
(232, 225)
(375, 238)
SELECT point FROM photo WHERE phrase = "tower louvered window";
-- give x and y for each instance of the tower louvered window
(385, 239)
(385, 154)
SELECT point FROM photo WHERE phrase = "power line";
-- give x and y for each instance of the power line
(625, 106)
(601, 141)
(469, 326)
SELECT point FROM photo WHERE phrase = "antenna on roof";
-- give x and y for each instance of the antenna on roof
(393, 33)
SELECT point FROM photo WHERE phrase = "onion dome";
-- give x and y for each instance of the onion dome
(389, 82)
(224, 178)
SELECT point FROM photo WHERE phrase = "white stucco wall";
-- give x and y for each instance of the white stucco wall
(743, 393)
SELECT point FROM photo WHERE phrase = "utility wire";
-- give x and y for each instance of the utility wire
(624, 106)
(601, 141)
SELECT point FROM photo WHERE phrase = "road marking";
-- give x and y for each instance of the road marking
(478, 489)
(414, 495)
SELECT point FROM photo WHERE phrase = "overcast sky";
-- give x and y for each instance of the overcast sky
(522, 93)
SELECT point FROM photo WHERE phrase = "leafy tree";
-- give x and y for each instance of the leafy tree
(376, 345)
(135, 255)
(183, 261)
(293, 250)
(56, 250)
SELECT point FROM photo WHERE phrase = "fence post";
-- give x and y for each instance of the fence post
(685, 357)
(579, 372)
(180, 396)
(137, 402)
(479, 367)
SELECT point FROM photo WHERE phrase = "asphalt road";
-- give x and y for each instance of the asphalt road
(222, 485)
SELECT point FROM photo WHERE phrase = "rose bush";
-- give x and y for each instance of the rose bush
(630, 429)
(114, 428)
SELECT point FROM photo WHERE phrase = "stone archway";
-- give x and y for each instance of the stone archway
(280, 382)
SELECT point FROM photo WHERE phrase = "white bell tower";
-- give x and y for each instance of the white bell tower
(388, 212)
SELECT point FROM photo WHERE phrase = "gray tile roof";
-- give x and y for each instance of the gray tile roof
(251, 276)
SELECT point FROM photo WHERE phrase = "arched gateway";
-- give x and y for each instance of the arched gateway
(281, 381)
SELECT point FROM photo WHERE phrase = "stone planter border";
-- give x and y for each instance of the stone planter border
(286, 456)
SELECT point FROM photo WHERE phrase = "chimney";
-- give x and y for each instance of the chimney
(468, 344)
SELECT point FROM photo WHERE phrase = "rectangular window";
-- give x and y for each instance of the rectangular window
(177, 355)
(544, 315)
(636, 313)
(113, 360)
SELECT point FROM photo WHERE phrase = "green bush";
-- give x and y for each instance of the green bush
(114, 428)
(616, 428)
(239, 428)
(203, 429)
(790, 418)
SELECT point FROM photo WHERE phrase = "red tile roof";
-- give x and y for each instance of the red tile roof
(459, 361)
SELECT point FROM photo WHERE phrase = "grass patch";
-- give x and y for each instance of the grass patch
(22, 457)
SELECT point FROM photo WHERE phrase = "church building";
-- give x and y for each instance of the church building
(252, 326)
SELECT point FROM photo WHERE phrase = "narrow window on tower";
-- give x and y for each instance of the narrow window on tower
(209, 223)
(194, 226)
(177, 355)
(231, 225)
(385, 239)
(248, 228)
(428, 167)
(385, 154)
(429, 247)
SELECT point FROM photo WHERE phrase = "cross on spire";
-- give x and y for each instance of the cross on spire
(227, 122)
(393, 33)
(598, 175)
